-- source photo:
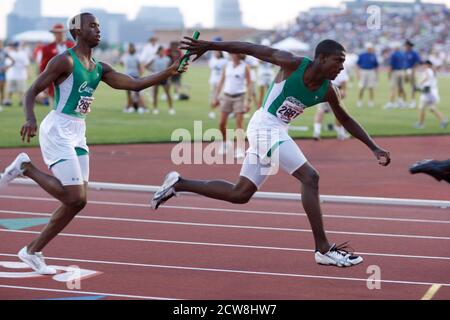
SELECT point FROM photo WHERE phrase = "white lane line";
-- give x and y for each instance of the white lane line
(246, 227)
(235, 211)
(276, 214)
(119, 295)
(260, 273)
(225, 245)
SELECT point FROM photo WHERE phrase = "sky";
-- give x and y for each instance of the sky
(256, 13)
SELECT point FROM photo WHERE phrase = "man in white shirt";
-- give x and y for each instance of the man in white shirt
(17, 75)
(149, 52)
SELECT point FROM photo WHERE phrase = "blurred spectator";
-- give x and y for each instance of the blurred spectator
(265, 75)
(4, 66)
(236, 84)
(130, 61)
(159, 64)
(341, 83)
(367, 74)
(429, 97)
(412, 62)
(253, 63)
(149, 52)
(175, 53)
(397, 63)
(60, 45)
(426, 28)
(217, 63)
(17, 74)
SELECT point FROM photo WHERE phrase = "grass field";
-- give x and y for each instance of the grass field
(108, 125)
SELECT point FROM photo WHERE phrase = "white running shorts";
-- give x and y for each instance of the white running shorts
(72, 172)
(271, 148)
(59, 136)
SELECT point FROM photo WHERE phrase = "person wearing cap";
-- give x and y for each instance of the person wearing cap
(412, 60)
(60, 45)
(367, 74)
(17, 74)
(396, 75)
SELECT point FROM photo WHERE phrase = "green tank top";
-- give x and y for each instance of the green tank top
(288, 99)
(74, 96)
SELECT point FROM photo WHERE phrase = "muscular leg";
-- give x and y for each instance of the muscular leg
(73, 199)
(239, 193)
(74, 203)
(309, 178)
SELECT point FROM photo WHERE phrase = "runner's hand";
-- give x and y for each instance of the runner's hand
(383, 156)
(28, 130)
(195, 48)
(174, 67)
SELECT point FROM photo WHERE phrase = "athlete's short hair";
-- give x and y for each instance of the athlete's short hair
(75, 23)
(328, 47)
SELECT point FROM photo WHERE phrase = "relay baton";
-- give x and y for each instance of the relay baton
(185, 59)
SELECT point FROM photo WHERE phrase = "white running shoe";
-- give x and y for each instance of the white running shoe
(155, 112)
(167, 190)
(172, 112)
(338, 256)
(389, 105)
(343, 136)
(212, 115)
(36, 262)
(14, 170)
(359, 104)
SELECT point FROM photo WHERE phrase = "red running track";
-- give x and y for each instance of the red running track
(197, 248)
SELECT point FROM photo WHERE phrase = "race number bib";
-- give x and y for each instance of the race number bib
(84, 105)
(290, 110)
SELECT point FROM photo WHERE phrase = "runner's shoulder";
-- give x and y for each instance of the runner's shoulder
(62, 62)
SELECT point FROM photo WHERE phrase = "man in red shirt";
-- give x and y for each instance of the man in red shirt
(55, 48)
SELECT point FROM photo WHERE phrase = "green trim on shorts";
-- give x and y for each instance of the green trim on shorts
(57, 162)
(81, 152)
(274, 147)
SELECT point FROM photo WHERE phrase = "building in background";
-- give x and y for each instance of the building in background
(110, 23)
(227, 14)
(116, 28)
(28, 9)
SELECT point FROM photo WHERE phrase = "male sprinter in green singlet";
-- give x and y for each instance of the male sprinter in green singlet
(300, 84)
(76, 75)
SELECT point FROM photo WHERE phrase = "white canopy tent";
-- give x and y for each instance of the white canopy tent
(292, 44)
(34, 36)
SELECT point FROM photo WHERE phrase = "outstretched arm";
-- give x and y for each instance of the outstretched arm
(122, 81)
(353, 127)
(284, 59)
(59, 67)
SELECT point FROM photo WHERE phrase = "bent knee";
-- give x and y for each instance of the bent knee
(241, 197)
(311, 178)
(79, 202)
